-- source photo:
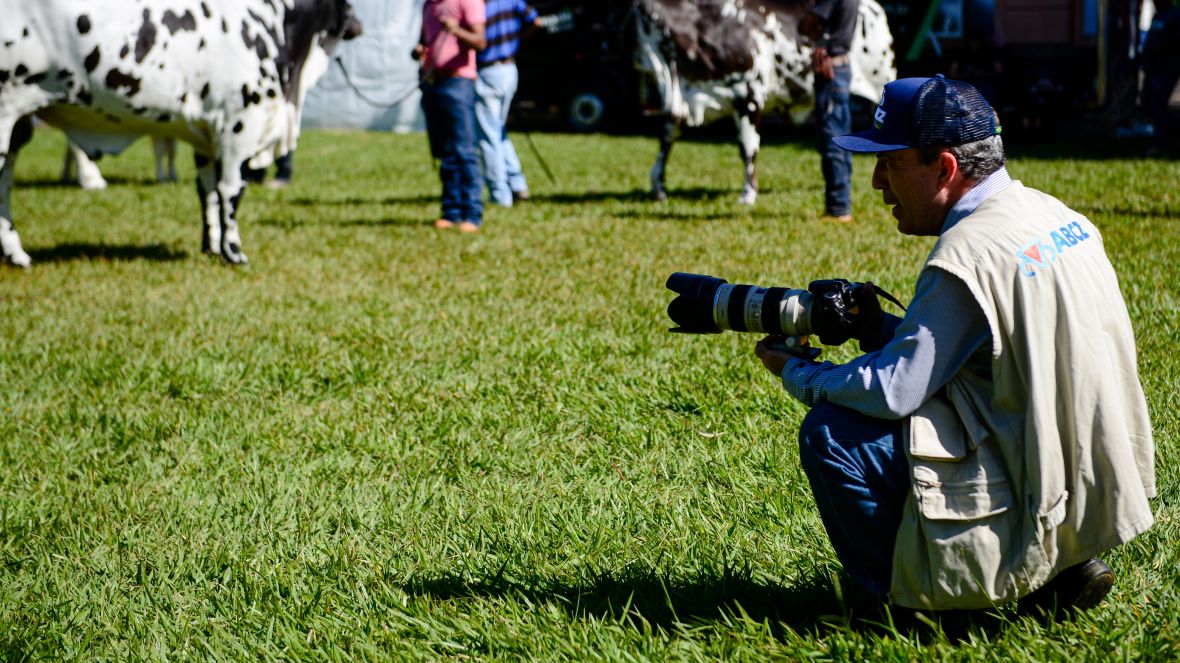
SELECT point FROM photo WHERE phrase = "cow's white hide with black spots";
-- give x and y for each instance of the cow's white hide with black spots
(79, 167)
(222, 75)
(82, 169)
(715, 58)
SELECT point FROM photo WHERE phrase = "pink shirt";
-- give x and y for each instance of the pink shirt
(444, 51)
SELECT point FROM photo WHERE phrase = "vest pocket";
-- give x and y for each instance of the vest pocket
(958, 498)
(968, 489)
(965, 511)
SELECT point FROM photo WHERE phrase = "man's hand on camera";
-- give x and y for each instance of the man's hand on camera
(868, 318)
(774, 351)
(773, 358)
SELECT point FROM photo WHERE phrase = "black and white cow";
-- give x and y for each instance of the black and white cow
(714, 58)
(222, 75)
(81, 168)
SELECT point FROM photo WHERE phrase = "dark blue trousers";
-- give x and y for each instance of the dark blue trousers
(449, 106)
(860, 478)
(834, 117)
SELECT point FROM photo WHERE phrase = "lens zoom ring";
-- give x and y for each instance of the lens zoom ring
(772, 316)
(737, 307)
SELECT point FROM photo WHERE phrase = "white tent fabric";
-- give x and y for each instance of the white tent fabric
(379, 66)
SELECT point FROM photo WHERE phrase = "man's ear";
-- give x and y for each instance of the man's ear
(948, 169)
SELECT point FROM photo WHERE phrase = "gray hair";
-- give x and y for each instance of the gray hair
(977, 159)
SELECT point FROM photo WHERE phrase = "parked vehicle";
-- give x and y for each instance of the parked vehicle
(576, 72)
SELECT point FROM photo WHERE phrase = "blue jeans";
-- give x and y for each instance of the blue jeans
(493, 97)
(860, 478)
(834, 117)
(449, 105)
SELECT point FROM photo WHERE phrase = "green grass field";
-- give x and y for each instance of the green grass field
(384, 441)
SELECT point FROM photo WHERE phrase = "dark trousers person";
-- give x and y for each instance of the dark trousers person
(857, 470)
(449, 107)
(834, 116)
(1166, 125)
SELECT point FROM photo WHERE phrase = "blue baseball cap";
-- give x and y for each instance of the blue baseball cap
(917, 112)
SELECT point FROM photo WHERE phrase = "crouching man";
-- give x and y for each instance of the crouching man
(991, 444)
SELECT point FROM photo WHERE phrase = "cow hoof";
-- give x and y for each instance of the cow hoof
(19, 259)
(747, 198)
(233, 255)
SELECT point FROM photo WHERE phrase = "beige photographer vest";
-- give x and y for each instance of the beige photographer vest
(1049, 461)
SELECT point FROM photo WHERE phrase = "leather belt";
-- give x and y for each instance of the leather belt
(495, 62)
(437, 76)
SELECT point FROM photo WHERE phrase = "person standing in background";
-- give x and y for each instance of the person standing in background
(507, 22)
(1161, 68)
(452, 33)
(829, 25)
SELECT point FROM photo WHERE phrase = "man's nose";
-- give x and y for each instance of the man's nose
(879, 180)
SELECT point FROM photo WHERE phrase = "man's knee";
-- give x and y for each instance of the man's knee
(813, 438)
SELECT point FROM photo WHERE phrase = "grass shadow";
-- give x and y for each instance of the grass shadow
(416, 199)
(112, 181)
(1165, 213)
(694, 194)
(648, 600)
(581, 198)
(355, 222)
(110, 252)
(686, 216)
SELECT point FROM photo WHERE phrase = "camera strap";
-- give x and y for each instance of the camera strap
(888, 297)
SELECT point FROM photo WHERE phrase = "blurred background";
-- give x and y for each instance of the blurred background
(1047, 66)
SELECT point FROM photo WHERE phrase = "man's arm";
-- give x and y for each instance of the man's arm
(529, 21)
(942, 329)
(473, 37)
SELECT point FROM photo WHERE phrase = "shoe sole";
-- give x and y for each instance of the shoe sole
(1095, 590)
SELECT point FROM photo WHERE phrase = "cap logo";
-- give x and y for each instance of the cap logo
(879, 116)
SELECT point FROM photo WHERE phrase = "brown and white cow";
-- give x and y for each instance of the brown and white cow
(715, 58)
(222, 75)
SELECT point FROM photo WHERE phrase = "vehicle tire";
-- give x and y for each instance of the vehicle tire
(592, 107)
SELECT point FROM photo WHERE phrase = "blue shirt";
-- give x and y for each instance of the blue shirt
(505, 21)
(943, 330)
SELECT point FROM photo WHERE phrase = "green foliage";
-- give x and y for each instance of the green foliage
(384, 441)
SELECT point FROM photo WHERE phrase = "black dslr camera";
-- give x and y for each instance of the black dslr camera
(709, 305)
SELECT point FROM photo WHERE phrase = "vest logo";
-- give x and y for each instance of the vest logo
(1040, 254)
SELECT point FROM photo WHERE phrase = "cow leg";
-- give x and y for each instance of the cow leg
(230, 187)
(69, 164)
(220, 190)
(165, 151)
(749, 140)
(668, 136)
(210, 205)
(89, 176)
(10, 245)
